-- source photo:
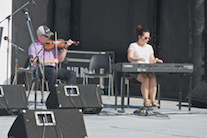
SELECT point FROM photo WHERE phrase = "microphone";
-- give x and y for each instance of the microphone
(25, 11)
(6, 38)
(34, 3)
(30, 56)
(31, 60)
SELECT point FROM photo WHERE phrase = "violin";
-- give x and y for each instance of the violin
(60, 43)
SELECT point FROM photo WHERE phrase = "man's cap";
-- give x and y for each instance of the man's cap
(44, 30)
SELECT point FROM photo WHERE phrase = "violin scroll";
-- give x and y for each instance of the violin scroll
(60, 44)
(76, 43)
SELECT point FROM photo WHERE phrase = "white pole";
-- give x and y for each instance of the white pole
(5, 48)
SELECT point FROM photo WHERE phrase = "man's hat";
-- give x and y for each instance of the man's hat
(44, 30)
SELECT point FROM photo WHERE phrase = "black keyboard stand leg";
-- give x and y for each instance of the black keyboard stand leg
(115, 100)
(122, 93)
(158, 94)
(180, 93)
(189, 95)
(180, 99)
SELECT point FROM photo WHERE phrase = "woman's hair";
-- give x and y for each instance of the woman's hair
(140, 30)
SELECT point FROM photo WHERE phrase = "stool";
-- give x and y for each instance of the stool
(128, 80)
(27, 71)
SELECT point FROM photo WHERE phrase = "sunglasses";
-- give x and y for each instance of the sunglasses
(45, 36)
(147, 38)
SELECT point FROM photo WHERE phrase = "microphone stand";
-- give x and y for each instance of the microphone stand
(37, 64)
(43, 65)
(16, 59)
(8, 17)
(16, 46)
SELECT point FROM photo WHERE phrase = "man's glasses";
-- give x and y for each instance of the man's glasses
(45, 36)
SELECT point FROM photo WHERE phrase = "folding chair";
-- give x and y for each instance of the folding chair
(100, 67)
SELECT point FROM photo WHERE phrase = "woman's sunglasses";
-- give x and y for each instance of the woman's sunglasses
(147, 38)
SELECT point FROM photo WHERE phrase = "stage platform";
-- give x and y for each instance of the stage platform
(166, 122)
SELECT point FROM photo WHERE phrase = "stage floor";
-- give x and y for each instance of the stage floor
(166, 122)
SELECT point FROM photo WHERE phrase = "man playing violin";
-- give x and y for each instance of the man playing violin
(50, 58)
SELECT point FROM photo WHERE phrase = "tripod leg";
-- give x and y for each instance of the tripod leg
(42, 91)
(36, 87)
(31, 89)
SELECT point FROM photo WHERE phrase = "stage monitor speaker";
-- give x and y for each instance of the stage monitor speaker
(57, 123)
(12, 99)
(199, 95)
(85, 97)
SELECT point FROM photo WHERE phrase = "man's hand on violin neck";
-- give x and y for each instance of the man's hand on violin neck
(68, 43)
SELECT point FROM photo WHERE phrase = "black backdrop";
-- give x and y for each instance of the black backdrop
(109, 26)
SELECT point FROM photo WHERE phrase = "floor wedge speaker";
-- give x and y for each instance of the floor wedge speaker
(57, 123)
(199, 95)
(12, 99)
(85, 97)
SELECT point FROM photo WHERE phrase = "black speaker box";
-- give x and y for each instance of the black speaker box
(12, 99)
(57, 123)
(85, 97)
(199, 95)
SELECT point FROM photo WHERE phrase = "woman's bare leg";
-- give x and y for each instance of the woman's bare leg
(153, 87)
(144, 79)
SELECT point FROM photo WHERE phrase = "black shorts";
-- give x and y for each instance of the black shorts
(134, 75)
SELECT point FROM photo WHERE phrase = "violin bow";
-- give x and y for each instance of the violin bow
(56, 49)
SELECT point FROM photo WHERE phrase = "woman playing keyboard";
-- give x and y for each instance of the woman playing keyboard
(141, 52)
